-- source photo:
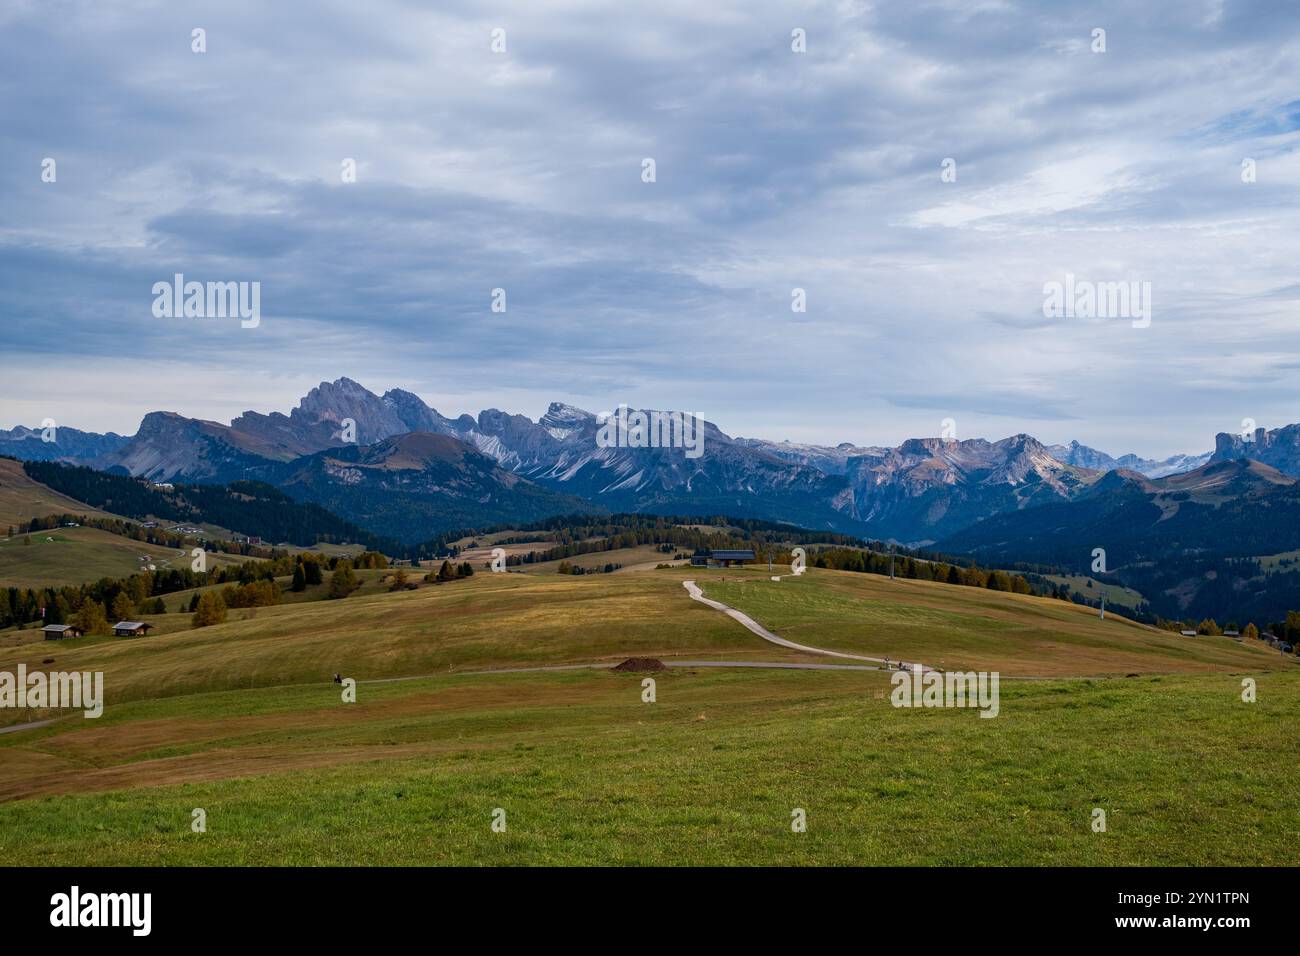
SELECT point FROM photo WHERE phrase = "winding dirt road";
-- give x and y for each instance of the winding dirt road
(694, 591)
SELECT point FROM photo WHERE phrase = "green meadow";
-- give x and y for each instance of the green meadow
(242, 721)
(710, 773)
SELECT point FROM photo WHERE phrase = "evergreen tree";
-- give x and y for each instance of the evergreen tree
(299, 578)
(311, 569)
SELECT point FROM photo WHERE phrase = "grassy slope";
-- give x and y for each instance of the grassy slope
(516, 620)
(22, 499)
(73, 555)
(490, 620)
(642, 558)
(239, 719)
(1115, 594)
(969, 628)
(1187, 773)
(70, 555)
(1273, 562)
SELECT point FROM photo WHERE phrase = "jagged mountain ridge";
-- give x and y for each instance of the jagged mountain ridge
(937, 486)
(416, 484)
(920, 491)
(1085, 457)
(1279, 447)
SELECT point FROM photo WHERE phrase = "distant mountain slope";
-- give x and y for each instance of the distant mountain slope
(246, 507)
(69, 444)
(561, 451)
(929, 487)
(1232, 508)
(170, 447)
(1085, 457)
(1189, 542)
(413, 486)
(832, 460)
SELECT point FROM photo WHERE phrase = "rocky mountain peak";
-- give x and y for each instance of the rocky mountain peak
(560, 413)
(1279, 447)
(329, 399)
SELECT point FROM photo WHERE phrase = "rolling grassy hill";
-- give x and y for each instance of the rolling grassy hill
(72, 555)
(518, 620)
(502, 620)
(954, 627)
(1093, 588)
(241, 720)
(22, 499)
(68, 555)
(64, 556)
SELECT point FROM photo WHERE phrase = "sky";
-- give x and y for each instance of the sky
(523, 169)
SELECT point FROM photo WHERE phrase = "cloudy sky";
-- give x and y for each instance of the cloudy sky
(775, 170)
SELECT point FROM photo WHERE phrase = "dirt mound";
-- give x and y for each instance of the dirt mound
(641, 664)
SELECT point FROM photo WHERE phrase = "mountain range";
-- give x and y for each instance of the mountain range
(394, 465)
(1211, 542)
(1085, 457)
(1231, 508)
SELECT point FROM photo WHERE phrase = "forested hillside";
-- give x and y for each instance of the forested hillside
(246, 507)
